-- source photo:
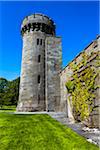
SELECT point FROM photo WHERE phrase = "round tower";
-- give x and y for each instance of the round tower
(34, 30)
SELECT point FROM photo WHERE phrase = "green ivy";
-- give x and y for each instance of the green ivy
(70, 86)
(82, 87)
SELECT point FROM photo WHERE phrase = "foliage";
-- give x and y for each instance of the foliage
(82, 94)
(9, 91)
(38, 132)
(3, 84)
(70, 86)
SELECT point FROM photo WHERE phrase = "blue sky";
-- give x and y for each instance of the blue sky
(76, 22)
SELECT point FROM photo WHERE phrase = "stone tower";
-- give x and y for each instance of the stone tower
(41, 64)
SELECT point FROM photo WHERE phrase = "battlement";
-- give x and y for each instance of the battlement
(38, 22)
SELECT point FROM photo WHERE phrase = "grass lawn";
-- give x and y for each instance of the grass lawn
(38, 132)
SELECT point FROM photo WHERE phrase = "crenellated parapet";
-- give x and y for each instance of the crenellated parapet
(38, 22)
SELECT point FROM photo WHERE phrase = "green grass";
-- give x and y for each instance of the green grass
(38, 132)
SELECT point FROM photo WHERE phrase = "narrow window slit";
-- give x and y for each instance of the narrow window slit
(38, 78)
(41, 42)
(39, 58)
(38, 99)
(37, 41)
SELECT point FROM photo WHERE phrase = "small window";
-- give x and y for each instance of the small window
(39, 58)
(38, 99)
(41, 42)
(38, 78)
(37, 41)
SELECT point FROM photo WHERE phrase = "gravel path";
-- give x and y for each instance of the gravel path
(92, 135)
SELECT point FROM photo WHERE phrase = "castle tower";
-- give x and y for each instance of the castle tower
(41, 63)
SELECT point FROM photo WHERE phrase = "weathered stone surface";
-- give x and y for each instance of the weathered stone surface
(53, 55)
(31, 68)
(65, 75)
(32, 95)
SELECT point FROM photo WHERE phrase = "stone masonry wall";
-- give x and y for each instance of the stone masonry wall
(31, 68)
(34, 30)
(41, 64)
(53, 56)
(65, 75)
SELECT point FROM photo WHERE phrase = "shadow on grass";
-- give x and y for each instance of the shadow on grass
(6, 109)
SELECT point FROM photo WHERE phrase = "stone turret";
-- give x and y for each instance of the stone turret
(37, 32)
(38, 23)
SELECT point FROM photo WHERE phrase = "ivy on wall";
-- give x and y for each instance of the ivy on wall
(82, 86)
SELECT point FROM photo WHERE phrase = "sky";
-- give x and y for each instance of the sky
(76, 22)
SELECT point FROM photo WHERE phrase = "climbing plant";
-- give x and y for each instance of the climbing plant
(81, 86)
